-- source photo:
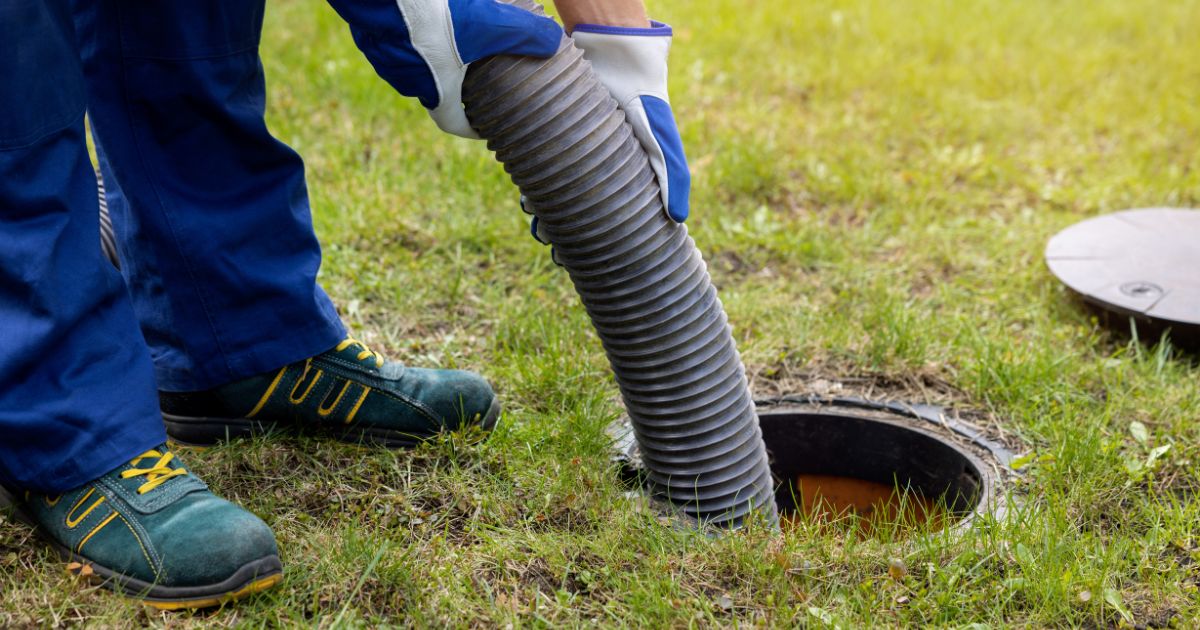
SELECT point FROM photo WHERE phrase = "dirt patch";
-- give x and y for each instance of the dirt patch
(926, 385)
(919, 387)
(519, 581)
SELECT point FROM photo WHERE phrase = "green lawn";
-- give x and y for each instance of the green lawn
(875, 182)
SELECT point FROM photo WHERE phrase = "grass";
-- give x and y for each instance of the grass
(875, 182)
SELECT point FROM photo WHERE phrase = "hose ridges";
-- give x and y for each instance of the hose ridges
(565, 143)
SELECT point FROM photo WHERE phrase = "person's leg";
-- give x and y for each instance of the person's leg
(216, 240)
(80, 430)
(77, 394)
(210, 210)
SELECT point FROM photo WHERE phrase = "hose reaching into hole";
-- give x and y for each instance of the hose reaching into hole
(566, 145)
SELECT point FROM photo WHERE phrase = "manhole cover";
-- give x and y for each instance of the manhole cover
(1143, 264)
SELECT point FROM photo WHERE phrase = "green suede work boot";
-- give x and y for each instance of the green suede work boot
(348, 392)
(153, 531)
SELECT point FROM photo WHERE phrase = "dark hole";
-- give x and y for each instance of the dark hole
(843, 468)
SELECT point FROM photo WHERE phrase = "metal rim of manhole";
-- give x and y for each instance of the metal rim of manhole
(1139, 264)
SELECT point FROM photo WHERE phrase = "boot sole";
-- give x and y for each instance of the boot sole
(254, 577)
(204, 431)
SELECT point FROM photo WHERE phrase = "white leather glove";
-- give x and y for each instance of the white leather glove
(423, 47)
(632, 64)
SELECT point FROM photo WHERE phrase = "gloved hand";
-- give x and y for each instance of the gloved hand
(423, 47)
(535, 228)
(632, 64)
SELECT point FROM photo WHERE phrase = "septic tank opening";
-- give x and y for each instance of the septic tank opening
(871, 467)
(851, 470)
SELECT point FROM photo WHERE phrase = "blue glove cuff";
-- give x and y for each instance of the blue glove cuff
(657, 29)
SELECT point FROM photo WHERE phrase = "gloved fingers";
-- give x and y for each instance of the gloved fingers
(654, 125)
(538, 232)
(483, 28)
(632, 64)
(423, 47)
(450, 116)
(535, 224)
(539, 235)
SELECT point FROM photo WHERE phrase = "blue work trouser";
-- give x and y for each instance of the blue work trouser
(76, 383)
(211, 212)
(211, 215)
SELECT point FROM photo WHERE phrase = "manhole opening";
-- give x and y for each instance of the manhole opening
(875, 468)
(855, 472)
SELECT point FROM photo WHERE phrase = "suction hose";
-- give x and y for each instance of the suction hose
(108, 240)
(565, 143)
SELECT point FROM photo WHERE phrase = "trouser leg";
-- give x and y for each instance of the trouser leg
(77, 395)
(211, 211)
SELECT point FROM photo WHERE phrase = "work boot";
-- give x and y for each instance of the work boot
(348, 392)
(151, 530)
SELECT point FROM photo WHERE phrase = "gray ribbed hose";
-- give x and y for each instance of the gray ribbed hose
(108, 240)
(565, 143)
(562, 138)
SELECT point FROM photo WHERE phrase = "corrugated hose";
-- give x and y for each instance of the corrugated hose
(566, 145)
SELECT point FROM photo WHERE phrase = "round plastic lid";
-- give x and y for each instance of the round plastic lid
(1144, 263)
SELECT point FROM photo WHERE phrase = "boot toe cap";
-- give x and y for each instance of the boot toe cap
(456, 397)
(213, 542)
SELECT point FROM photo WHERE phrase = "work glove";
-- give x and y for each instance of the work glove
(423, 47)
(535, 228)
(632, 64)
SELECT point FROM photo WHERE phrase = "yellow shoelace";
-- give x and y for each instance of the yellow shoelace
(366, 353)
(156, 475)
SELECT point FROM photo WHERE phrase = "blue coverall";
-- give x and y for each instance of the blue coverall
(211, 212)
